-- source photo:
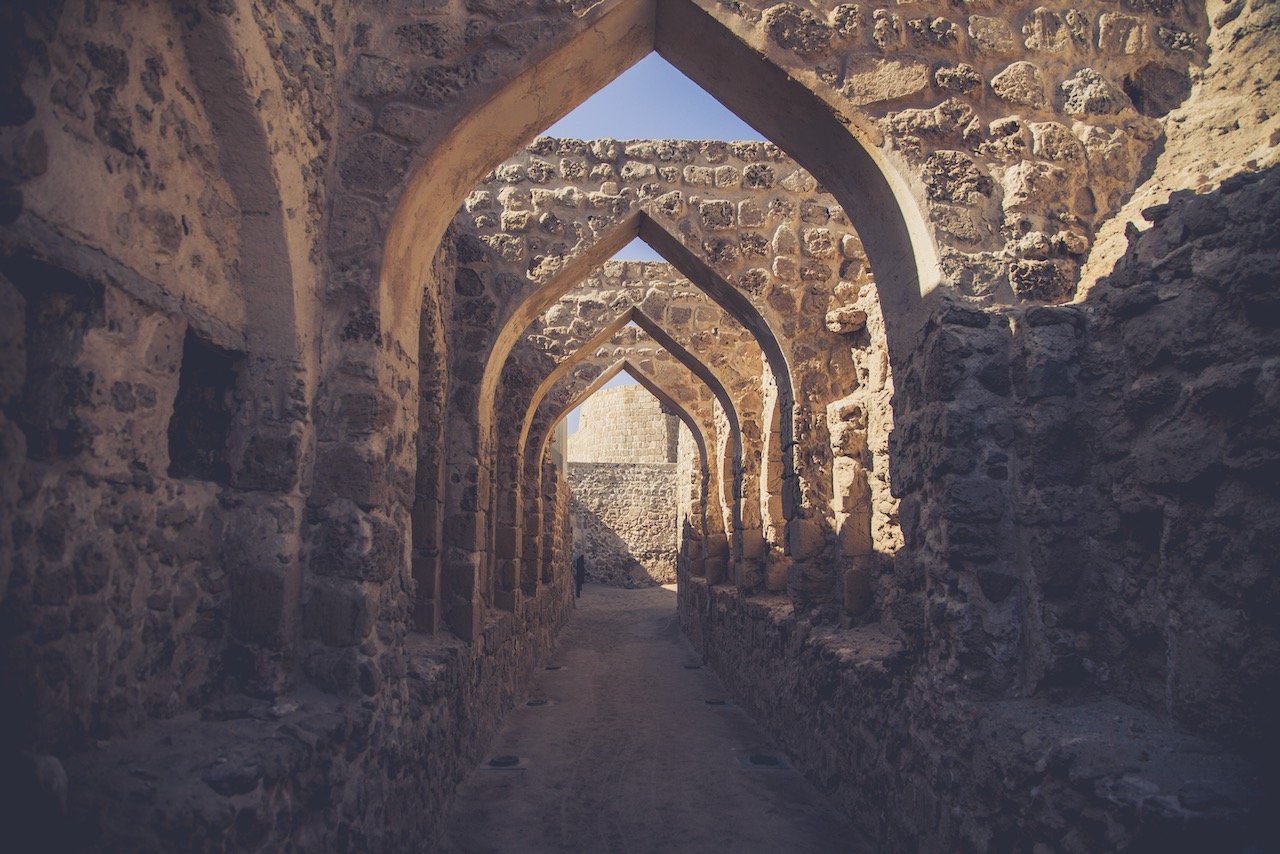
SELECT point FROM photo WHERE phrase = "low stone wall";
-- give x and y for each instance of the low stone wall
(313, 771)
(624, 521)
(917, 766)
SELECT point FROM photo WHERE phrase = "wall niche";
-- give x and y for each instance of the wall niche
(203, 411)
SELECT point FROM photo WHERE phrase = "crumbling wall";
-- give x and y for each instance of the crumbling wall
(1087, 505)
(622, 477)
(624, 521)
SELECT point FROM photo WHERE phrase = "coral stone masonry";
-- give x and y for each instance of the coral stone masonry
(954, 424)
(622, 476)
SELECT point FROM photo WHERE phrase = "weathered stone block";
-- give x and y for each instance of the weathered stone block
(1020, 83)
(338, 613)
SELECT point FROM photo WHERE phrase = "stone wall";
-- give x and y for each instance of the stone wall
(918, 770)
(310, 769)
(624, 424)
(1087, 503)
(624, 521)
(622, 473)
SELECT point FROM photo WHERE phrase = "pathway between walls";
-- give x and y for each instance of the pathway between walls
(631, 747)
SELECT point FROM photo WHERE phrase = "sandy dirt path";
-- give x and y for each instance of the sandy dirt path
(627, 756)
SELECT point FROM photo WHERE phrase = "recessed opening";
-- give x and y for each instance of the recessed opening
(203, 411)
(60, 308)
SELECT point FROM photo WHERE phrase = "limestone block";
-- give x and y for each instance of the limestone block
(845, 320)
(1055, 141)
(799, 181)
(727, 176)
(1020, 83)
(991, 35)
(953, 176)
(785, 269)
(785, 241)
(1120, 33)
(757, 176)
(845, 20)
(871, 79)
(1088, 93)
(886, 30)
(1044, 30)
(796, 29)
(717, 214)
(957, 78)
(633, 171)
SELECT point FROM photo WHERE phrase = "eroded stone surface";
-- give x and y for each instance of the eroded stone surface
(1002, 558)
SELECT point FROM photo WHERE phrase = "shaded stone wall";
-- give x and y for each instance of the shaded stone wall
(919, 771)
(1087, 502)
(313, 769)
(624, 521)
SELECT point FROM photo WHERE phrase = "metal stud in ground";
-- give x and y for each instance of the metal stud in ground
(506, 760)
(764, 762)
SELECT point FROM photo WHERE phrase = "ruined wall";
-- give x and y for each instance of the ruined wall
(624, 521)
(139, 427)
(1087, 503)
(622, 477)
(314, 769)
(624, 424)
(914, 770)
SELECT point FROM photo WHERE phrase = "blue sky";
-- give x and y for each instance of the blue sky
(650, 100)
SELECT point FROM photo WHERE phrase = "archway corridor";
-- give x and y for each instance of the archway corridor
(961, 400)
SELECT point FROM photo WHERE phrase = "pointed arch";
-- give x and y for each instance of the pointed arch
(726, 472)
(655, 388)
(831, 146)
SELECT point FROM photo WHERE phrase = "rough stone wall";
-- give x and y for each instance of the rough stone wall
(624, 521)
(916, 770)
(315, 770)
(624, 424)
(127, 313)
(1087, 504)
(835, 372)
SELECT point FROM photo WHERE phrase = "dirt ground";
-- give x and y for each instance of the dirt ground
(627, 755)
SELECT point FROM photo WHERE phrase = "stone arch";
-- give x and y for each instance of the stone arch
(708, 531)
(691, 317)
(730, 487)
(830, 146)
(471, 465)
(231, 66)
(649, 356)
